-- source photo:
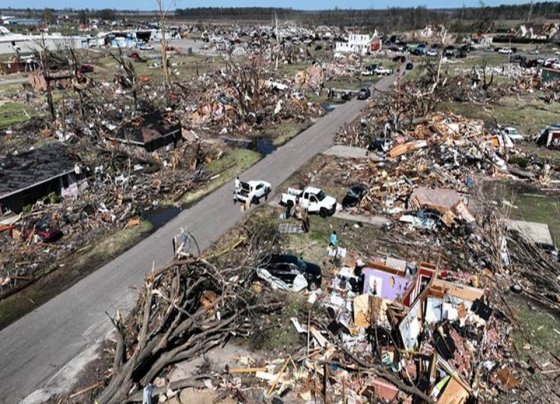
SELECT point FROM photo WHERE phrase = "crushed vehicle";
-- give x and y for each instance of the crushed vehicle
(287, 267)
(252, 191)
(354, 195)
(380, 144)
(311, 198)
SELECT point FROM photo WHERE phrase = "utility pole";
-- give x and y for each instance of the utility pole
(530, 11)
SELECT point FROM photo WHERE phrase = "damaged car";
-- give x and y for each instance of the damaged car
(285, 268)
(354, 195)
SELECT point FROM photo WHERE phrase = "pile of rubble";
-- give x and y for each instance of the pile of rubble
(135, 145)
(109, 185)
(444, 151)
(246, 98)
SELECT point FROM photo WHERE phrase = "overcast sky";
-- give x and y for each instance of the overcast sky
(296, 4)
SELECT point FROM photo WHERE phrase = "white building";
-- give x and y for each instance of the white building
(12, 43)
(359, 43)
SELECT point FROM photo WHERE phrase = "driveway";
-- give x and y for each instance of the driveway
(37, 350)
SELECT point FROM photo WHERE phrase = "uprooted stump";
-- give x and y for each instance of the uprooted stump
(184, 310)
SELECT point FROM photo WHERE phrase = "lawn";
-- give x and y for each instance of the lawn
(530, 204)
(539, 208)
(13, 113)
(290, 70)
(538, 332)
(233, 162)
(526, 113)
(285, 131)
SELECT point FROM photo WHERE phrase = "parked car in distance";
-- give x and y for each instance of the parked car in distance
(382, 71)
(505, 51)
(534, 52)
(145, 47)
(449, 53)
(252, 191)
(409, 66)
(354, 195)
(286, 267)
(431, 52)
(513, 134)
(364, 93)
(46, 230)
(367, 72)
(311, 198)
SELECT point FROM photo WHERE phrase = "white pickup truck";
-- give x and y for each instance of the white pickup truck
(382, 71)
(311, 198)
(252, 191)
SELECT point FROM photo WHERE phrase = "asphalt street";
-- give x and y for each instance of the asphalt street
(34, 349)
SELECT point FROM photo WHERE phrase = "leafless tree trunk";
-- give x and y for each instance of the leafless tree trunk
(43, 57)
(162, 15)
(75, 66)
(129, 78)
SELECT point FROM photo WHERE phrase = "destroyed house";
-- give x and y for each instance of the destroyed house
(28, 176)
(151, 131)
(56, 78)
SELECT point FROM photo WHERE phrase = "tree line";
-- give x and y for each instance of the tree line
(461, 19)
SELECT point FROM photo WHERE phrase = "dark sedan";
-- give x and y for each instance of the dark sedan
(364, 93)
(286, 267)
(354, 195)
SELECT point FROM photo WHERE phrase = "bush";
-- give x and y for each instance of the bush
(522, 162)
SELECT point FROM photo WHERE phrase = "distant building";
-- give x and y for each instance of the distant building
(26, 22)
(359, 44)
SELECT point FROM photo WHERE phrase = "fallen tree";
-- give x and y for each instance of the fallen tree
(185, 309)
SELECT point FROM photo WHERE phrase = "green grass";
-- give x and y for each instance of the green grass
(347, 83)
(13, 113)
(238, 159)
(526, 113)
(539, 325)
(231, 164)
(385, 62)
(286, 131)
(290, 70)
(542, 209)
(491, 59)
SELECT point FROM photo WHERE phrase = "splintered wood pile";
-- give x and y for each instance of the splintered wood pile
(184, 310)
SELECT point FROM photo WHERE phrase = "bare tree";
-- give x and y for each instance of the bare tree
(163, 10)
(48, 60)
(128, 78)
(75, 64)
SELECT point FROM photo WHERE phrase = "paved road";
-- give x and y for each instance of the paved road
(34, 349)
